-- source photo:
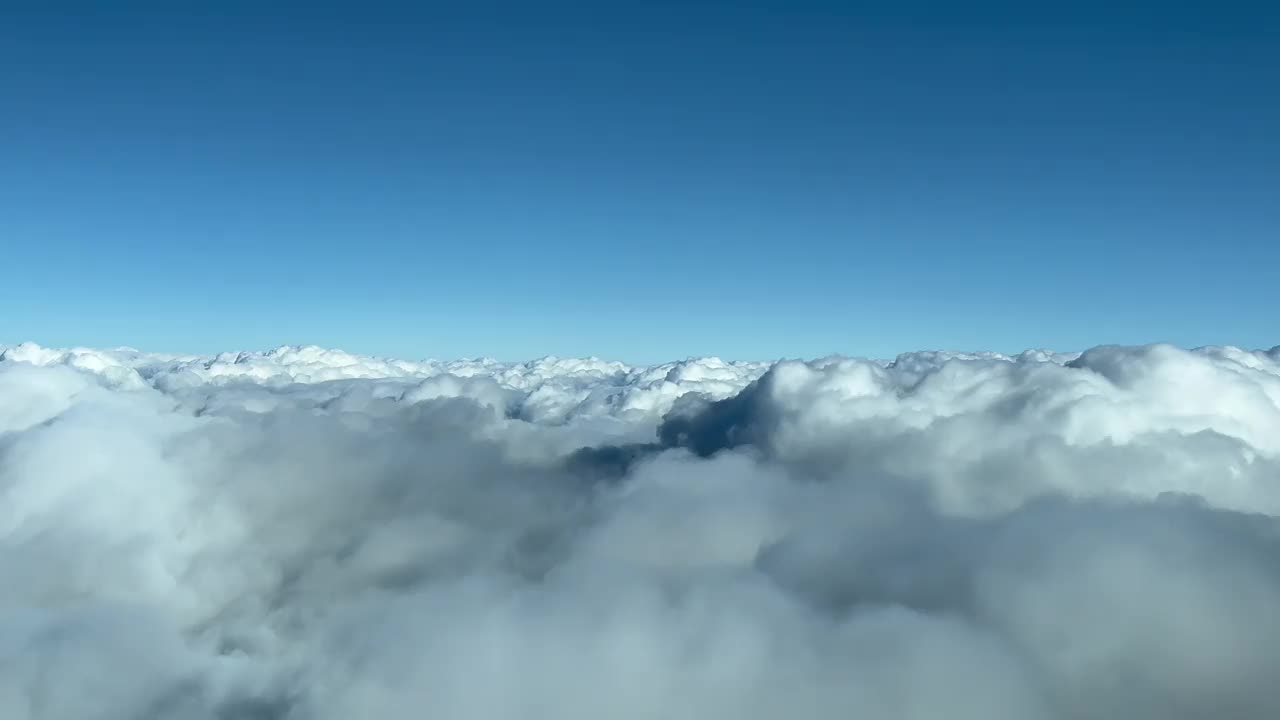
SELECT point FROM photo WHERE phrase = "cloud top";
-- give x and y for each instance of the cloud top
(306, 534)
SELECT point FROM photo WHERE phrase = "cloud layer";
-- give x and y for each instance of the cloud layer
(305, 534)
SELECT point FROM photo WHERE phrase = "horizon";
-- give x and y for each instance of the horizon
(952, 352)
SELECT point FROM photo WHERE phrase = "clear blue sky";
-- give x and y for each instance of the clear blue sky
(639, 180)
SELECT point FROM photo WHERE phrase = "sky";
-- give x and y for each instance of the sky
(639, 181)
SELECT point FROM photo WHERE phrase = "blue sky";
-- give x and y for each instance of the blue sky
(639, 181)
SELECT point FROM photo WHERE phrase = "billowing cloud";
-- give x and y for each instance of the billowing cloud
(306, 534)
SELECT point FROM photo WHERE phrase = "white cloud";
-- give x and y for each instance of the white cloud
(310, 534)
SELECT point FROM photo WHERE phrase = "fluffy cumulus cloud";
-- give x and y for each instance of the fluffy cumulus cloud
(305, 534)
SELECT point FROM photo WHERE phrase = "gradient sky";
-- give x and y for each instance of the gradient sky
(640, 181)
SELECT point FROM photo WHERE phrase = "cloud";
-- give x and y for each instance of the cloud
(309, 534)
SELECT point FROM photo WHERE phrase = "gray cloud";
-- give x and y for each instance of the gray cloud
(306, 534)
